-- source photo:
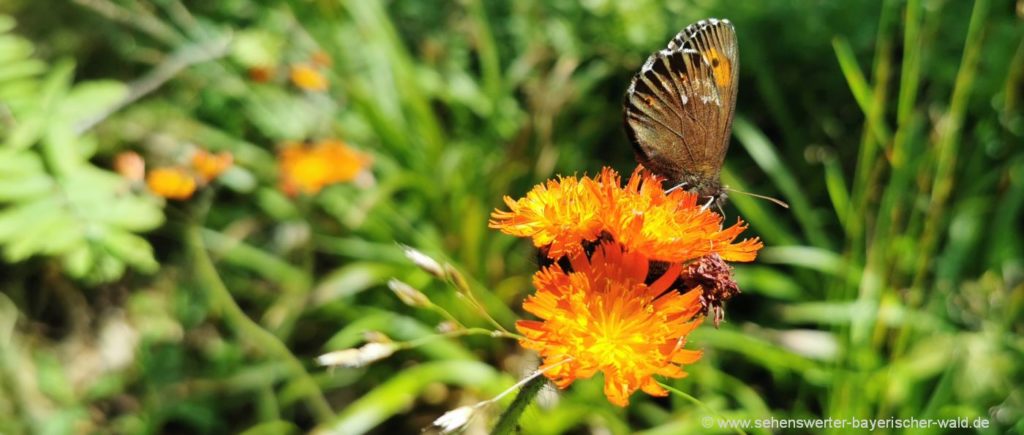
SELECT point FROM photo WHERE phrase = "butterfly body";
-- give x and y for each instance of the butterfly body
(679, 107)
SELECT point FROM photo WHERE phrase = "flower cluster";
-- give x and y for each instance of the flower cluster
(309, 75)
(307, 168)
(178, 182)
(631, 270)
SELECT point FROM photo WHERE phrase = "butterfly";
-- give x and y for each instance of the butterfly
(679, 107)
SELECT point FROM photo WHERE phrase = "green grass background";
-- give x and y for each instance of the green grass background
(893, 286)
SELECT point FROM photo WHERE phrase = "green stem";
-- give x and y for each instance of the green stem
(458, 333)
(697, 402)
(249, 330)
(509, 420)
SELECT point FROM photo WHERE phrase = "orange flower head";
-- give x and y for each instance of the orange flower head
(171, 183)
(209, 166)
(130, 165)
(308, 169)
(308, 78)
(670, 227)
(561, 214)
(602, 317)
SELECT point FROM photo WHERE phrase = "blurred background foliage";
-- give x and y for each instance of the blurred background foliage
(894, 286)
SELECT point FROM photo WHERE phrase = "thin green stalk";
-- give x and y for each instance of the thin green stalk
(697, 402)
(458, 333)
(510, 418)
(249, 330)
(948, 145)
(910, 73)
(490, 64)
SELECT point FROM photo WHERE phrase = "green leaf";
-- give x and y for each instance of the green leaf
(399, 393)
(28, 130)
(273, 428)
(130, 248)
(132, 213)
(14, 48)
(21, 69)
(256, 48)
(79, 261)
(15, 219)
(89, 99)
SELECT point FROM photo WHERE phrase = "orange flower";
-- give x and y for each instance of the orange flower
(130, 165)
(171, 183)
(308, 78)
(670, 227)
(602, 317)
(562, 213)
(308, 169)
(209, 165)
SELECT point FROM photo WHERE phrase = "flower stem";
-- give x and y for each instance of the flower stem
(249, 330)
(697, 402)
(510, 418)
(457, 333)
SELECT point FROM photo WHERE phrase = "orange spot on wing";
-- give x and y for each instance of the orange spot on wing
(721, 66)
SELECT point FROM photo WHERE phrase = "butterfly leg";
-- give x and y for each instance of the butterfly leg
(711, 200)
(684, 185)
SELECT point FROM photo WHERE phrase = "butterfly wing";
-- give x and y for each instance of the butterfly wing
(679, 107)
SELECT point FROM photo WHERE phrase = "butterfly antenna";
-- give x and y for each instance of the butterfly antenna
(777, 201)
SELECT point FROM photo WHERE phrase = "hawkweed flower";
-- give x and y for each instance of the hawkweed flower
(604, 317)
(130, 165)
(309, 168)
(209, 166)
(630, 270)
(561, 216)
(557, 215)
(308, 78)
(171, 183)
(669, 227)
(357, 357)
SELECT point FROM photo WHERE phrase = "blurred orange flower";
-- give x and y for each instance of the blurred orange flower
(209, 166)
(130, 165)
(308, 78)
(307, 169)
(172, 183)
(602, 317)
